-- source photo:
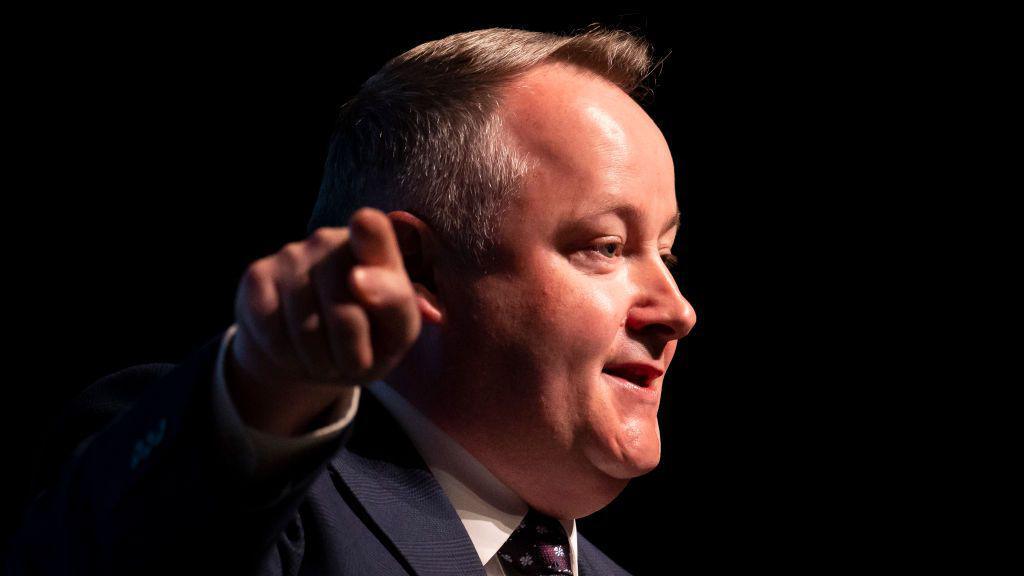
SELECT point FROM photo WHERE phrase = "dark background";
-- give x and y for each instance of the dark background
(156, 160)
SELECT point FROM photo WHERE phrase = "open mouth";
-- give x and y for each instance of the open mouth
(640, 375)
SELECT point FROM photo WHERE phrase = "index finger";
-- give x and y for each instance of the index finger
(373, 239)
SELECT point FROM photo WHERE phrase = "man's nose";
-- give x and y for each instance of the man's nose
(659, 307)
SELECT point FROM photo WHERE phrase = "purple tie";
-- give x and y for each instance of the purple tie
(538, 547)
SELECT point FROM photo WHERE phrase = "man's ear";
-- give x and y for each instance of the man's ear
(420, 251)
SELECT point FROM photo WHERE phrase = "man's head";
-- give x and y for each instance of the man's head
(423, 133)
(545, 357)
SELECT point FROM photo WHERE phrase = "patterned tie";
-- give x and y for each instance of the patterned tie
(538, 547)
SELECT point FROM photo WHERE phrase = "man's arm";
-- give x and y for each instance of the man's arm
(164, 487)
(154, 490)
(263, 455)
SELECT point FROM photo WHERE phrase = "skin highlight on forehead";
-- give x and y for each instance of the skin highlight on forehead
(552, 110)
(556, 104)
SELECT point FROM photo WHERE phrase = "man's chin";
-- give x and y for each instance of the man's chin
(635, 467)
(630, 464)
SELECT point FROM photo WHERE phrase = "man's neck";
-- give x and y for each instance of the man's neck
(442, 392)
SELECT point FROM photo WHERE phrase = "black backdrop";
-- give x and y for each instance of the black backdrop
(157, 159)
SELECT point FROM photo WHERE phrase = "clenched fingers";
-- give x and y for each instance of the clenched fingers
(337, 306)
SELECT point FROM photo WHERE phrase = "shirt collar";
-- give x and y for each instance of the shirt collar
(489, 510)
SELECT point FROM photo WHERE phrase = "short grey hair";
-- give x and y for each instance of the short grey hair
(422, 134)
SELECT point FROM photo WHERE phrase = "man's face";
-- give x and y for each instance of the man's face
(571, 330)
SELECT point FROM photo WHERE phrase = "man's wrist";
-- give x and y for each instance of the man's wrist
(281, 409)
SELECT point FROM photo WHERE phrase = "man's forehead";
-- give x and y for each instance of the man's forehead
(562, 113)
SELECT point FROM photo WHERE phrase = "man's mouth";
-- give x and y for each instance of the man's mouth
(642, 375)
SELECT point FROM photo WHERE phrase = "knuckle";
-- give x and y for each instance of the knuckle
(309, 325)
(362, 362)
(258, 270)
(256, 291)
(261, 304)
(325, 236)
(291, 254)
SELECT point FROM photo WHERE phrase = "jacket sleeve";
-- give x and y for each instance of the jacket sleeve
(162, 488)
(262, 457)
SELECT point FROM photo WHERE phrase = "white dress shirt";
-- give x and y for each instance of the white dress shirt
(489, 510)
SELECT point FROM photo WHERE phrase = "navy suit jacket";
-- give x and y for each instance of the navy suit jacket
(147, 490)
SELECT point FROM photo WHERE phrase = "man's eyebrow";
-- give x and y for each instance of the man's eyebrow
(630, 212)
(674, 222)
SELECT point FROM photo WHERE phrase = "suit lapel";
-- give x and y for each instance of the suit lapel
(593, 562)
(381, 470)
(583, 563)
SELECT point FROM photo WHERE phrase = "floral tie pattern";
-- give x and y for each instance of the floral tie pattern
(538, 547)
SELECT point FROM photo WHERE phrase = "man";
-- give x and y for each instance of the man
(507, 277)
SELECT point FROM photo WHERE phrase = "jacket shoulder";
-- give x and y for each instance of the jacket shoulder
(89, 412)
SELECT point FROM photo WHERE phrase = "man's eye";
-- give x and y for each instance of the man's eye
(670, 260)
(609, 249)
